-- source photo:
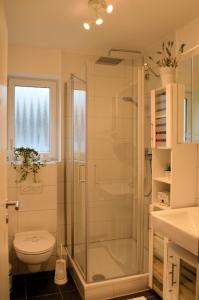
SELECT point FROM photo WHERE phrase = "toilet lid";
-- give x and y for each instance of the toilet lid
(34, 242)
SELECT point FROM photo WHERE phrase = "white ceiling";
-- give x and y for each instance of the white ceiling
(58, 23)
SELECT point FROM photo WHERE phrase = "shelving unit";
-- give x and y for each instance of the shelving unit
(165, 150)
(162, 179)
(179, 189)
(160, 115)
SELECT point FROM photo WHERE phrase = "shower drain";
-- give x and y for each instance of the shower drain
(98, 277)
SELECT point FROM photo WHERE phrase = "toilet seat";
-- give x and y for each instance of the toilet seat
(34, 242)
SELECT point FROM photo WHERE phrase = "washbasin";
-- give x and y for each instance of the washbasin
(179, 225)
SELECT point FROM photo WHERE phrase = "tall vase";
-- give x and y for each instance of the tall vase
(167, 75)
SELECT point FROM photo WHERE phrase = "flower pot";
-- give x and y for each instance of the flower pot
(167, 75)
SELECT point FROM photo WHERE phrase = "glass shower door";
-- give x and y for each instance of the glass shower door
(79, 172)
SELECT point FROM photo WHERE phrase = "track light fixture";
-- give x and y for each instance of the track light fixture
(86, 26)
(96, 7)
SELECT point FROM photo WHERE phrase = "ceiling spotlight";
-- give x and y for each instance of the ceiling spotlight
(109, 8)
(99, 21)
(96, 8)
(87, 26)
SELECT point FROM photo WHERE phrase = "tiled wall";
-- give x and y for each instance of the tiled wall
(38, 210)
(44, 64)
(112, 157)
(112, 140)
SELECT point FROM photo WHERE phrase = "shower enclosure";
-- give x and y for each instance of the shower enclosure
(105, 203)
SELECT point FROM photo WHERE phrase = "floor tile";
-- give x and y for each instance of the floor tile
(69, 286)
(47, 297)
(18, 290)
(17, 298)
(39, 275)
(41, 286)
(71, 295)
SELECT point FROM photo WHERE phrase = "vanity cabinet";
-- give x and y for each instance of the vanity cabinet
(169, 191)
(158, 263)
(175, 271)
(182, 274)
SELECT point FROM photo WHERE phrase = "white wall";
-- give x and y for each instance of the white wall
(53, 64)
(112, 140)
(38, 210)
(34, 62)
(3, 168)
(188, 34)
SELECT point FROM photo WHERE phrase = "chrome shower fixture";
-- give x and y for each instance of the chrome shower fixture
(148, 69)
(114, 61)
(129, 99)
(96, 7)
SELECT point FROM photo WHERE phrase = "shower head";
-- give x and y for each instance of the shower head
(113, 61)
(129, 99)
(108, 60)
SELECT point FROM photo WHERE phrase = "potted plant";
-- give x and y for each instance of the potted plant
(167, 171)
(168, 62)
(27, 161)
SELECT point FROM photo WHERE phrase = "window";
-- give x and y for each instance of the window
(32, 115)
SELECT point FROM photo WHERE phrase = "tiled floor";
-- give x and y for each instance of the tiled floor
(41, 286)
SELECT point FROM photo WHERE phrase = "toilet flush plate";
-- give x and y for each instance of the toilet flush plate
(31, 188)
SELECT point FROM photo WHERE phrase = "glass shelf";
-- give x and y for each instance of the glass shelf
(162, 179)
(161, 206)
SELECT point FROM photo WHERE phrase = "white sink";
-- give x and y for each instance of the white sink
(180, 225)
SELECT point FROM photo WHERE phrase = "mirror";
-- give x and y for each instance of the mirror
(188, 111)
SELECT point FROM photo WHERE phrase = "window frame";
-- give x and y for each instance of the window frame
(37, 83)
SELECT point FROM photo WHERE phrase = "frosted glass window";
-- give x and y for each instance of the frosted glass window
(32, 118)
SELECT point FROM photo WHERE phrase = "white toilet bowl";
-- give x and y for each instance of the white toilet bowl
(33, 248)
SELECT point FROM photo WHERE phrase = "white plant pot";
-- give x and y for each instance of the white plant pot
(167, 75)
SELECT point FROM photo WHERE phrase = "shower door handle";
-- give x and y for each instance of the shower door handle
(81, 173)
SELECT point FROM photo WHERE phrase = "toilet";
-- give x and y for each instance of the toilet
(34, 248)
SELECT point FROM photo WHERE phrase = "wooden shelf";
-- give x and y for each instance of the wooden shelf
(160, 117)
(163, 148)
(162, 179)
(158, 291)
(158, 277)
